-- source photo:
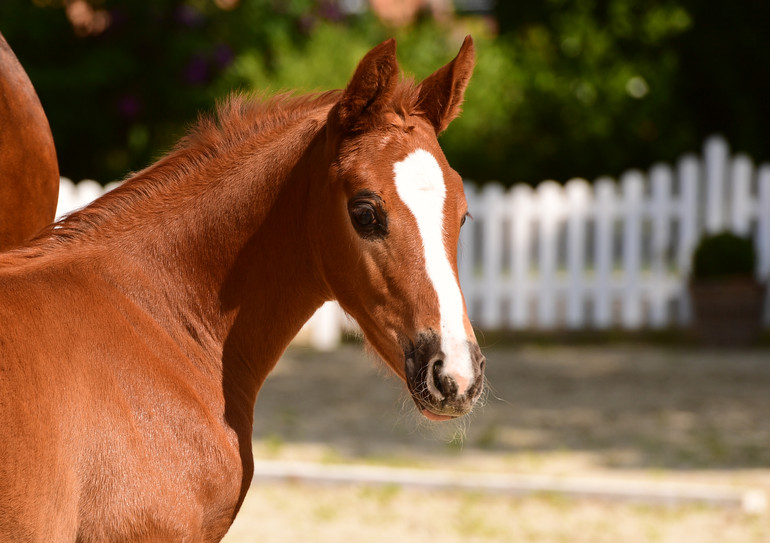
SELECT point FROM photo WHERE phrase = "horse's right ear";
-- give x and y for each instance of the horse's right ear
(369, 90)
(441, 94)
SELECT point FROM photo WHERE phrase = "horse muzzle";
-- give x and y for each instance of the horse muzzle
(443, 385)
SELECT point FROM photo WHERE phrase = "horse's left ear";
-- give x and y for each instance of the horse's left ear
(369, 90)
(441, 94)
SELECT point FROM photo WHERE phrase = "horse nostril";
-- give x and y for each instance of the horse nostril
(444, 384)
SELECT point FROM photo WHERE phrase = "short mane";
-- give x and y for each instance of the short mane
(239, 118)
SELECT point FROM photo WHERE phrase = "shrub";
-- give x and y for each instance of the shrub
(723, 255)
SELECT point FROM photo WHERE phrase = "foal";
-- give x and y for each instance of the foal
(137, 332)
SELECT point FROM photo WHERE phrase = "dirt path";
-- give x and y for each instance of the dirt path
(610, 409)
(617, 412)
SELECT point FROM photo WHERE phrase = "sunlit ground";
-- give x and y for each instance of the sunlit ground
(291, 512)
(616, 412)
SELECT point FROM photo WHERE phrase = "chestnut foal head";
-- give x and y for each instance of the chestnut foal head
(393, 218)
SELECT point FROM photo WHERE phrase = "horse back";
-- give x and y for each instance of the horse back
(29, 172)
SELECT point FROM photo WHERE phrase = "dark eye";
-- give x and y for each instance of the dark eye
(368, 216)
(466, 216)
(365, 217)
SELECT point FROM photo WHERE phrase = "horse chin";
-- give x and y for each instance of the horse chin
(434, 417)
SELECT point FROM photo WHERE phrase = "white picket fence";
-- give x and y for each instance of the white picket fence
(607, 254)
(579, 256)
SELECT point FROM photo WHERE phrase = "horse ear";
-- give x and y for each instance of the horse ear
(441, 94)
(370, 88)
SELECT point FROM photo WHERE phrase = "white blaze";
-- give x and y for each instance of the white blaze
(420, 184)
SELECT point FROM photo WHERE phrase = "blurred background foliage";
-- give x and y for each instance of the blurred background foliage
(562, 88)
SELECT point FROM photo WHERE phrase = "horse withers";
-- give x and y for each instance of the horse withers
(137, 331)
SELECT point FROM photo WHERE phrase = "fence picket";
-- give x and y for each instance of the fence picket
(492, 222)
(661, 214)
(604, 220)
(689, 177)
(550, 208)
(740, 197)
(715, 158)
(632, 184)
(74, 196)
(578, 193)
(522, 204)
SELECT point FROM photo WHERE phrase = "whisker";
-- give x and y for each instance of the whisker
(489, 390)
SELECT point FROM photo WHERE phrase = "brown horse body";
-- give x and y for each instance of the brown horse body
(136, 333)
(29, 173)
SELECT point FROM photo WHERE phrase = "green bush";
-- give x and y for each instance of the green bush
(723, 255)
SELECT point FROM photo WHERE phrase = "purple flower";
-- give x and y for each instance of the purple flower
(118, 18)
(223, 56)
(197, 70)
(306, 23)
(189, 16)
(330, 11)
(129, 106)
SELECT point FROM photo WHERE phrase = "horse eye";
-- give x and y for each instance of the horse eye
(466, 216)
(365, 217)
(368, 219)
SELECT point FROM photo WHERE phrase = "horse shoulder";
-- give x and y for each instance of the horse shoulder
(128, 424)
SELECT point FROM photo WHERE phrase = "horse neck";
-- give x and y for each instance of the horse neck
(231, 264)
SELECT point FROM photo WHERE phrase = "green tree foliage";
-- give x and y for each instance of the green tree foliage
(611, 84)
(119, 98)
(565, 88)
(724, 81)
(595, 86)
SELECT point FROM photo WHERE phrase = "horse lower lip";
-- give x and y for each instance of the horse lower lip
(434, 417)
(431, 415)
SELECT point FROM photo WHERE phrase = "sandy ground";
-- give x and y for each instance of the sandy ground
(650, 413)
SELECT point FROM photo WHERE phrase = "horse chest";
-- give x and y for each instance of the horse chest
(117, 469)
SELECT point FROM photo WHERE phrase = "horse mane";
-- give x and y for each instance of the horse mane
(237, 120)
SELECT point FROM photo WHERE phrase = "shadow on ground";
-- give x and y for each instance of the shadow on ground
(624, 407)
